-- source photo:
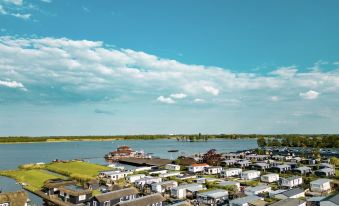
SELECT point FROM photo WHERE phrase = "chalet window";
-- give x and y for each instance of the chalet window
(82, 197)
(106, 203)
(4, 204)
(95, 203)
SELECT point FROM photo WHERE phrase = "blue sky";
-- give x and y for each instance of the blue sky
(151, 67)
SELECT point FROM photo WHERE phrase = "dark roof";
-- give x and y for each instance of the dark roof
(75, 191)
(292, 192)
(334, 199)
(55, 183)
(288, 202)
(14, 198)
(116, 194)
(144, 201)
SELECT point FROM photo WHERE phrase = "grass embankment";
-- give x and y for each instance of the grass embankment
(81, 171)
(34, 178)
(35, 175)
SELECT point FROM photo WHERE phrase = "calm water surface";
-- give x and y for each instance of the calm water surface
(13, 155)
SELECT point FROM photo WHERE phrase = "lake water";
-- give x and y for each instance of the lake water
(13, 155)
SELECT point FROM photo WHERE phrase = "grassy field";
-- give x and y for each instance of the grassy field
(78, 170)
(33, 178)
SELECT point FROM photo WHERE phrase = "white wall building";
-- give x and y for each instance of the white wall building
(197, 167)
(250, 174)
(320, 185)
(180, 191)
(257, 190)
(115, 175)
(291, 181)
(172, 167)
(162, 187)
(134, 178)
(213, 170)
(270, 177)
(231, 172)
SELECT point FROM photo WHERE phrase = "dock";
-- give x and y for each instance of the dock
(144, 161)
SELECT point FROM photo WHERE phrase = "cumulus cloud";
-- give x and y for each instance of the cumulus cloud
(12, 84)
(211, 90)
(166, 100)
(90, 70)
(178, 96)
(286, 71)
(309, 95)
(14, 6)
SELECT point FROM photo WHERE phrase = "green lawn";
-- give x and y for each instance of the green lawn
(78, 170)
(33, 178)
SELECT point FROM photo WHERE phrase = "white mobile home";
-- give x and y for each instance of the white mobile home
(134, 178)
(291, 181)
(197, 167)
(250, 174)
(321, 185)
(162, 187)
(231, 172)
(257, 190)
(172, 167)
(181, 191)
(114, 175)
(213, 170)
(272, 177)
(213, 197)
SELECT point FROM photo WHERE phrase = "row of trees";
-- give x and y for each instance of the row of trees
(326, 141)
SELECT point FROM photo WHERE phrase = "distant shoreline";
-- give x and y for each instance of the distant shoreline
(294, 138)
(104, 140)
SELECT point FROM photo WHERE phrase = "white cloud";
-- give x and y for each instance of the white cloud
(211, 90)
(286, 71)
(178, 96)
(15, 2)
(274, 98)
(22, 16)
(12, 84)
(198, 100)
(309, 95)
(166, 100)
(46, 1)
(4, 11)
(89, 68)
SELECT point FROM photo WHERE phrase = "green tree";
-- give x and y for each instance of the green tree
(261, 142)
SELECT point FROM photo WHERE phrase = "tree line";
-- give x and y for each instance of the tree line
(316, 141)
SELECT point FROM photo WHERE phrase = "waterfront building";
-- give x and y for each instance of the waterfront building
(114, 197)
